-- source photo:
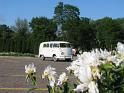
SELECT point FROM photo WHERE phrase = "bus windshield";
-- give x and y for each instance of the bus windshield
(65, 45)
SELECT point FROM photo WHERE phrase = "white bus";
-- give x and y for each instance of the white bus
(58, 50)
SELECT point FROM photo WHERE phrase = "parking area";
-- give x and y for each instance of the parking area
(12, 73)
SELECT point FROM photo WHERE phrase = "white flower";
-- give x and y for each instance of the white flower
(81, 87)
(93, 87)
(30, 69)
(85, 74)
(49, 72)
(75, 65)
(80, 51)
(62, 78)
(95, 72)
(120, 48)
(104, 54)
(90, 58)
(115, 60)
(72, 67)
(52, 83)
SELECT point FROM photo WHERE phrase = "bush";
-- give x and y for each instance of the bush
(16, 54)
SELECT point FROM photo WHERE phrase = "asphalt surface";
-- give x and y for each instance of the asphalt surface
(12, 73)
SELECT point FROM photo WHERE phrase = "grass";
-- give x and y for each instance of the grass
(16, 54)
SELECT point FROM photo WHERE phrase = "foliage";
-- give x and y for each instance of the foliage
(59, 13)
(16, 54)
(112, 76)
(20, 36)
(86, 34)
(65, 12)
(43, 29)
(107, 32)
(6, 36)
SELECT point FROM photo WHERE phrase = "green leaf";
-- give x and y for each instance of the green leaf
(107, 66)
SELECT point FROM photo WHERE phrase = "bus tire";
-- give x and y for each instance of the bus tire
(42, 57)
(54, 58)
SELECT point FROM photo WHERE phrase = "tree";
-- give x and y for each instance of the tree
(65, 13)
(20, 37)
(5, 38)
(71, 12)
(59, 13)
(86, 34)
(107, 31)
(70, 32)
(43, 29)
(120, 36)
(79, 31)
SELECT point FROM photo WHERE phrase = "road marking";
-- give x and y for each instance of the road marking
(38, 89)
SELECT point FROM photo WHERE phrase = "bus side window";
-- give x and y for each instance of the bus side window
(68, 45)
(51, 45)
(47, 45)
(44, 45)
(55, 45)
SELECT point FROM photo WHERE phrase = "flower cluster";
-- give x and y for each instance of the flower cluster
(97, 71)
(86, 70)
(30, 71)
(50, 74)
(90, 68)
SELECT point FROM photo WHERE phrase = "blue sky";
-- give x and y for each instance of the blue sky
(10, 10)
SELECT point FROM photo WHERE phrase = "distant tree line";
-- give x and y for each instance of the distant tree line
(81, 32)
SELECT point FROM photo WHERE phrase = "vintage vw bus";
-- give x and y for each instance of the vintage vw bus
(58, 50)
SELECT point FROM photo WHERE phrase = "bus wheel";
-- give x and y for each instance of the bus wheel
(42, 57)
(69, 60)
(54, 58)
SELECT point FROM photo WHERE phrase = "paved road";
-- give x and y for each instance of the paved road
(12, 73)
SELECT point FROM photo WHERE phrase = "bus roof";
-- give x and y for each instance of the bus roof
(56, 42)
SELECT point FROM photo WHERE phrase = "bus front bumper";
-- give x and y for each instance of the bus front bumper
(64, 57)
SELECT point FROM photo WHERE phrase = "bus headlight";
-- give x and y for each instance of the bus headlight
(62, 53)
